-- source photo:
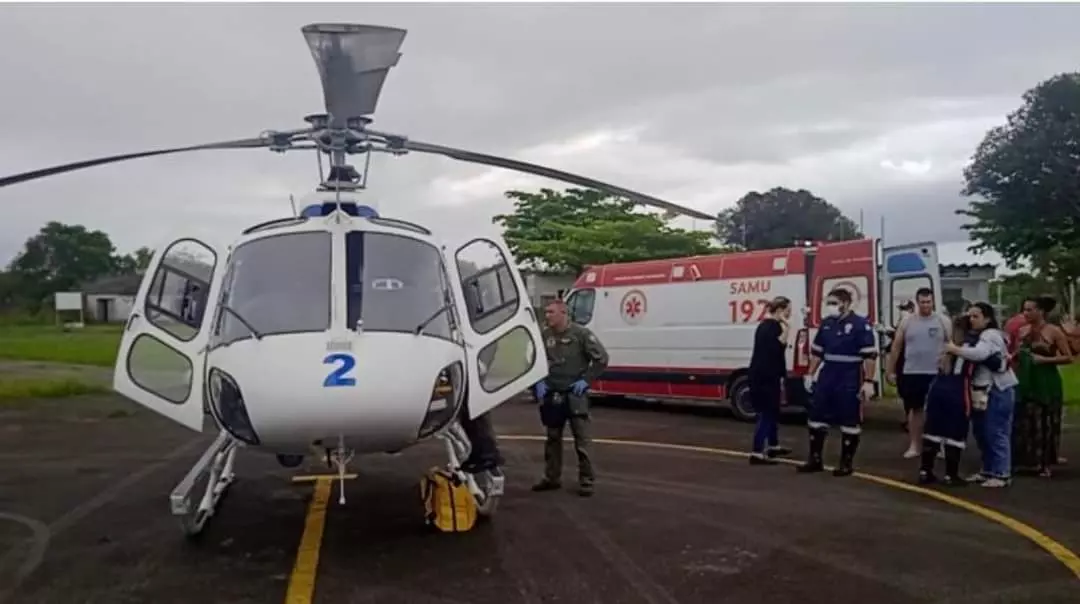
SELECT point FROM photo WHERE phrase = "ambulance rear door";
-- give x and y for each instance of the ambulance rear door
(904, 270)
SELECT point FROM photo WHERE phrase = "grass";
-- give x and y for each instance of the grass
(91, 345)
(24, 388)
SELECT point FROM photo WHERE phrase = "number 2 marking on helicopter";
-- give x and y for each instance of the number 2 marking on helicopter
(338, 377)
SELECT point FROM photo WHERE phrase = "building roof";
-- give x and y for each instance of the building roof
(117, 285)
(964, 266)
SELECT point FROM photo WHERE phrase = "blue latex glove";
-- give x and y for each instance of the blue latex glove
(579, 387)
(540, 389)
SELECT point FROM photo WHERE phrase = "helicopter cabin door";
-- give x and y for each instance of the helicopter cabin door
(502, 335)
(160, 364)
(905, 269)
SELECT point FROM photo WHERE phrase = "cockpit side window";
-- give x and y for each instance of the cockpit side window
(396, 283)
(277, 284)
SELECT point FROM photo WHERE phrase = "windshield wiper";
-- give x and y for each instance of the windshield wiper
(420, 328)
(243, 321)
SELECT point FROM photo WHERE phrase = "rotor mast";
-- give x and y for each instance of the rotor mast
(353, 61)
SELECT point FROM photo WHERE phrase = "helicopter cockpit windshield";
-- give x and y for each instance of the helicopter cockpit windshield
(397, 284)
(275, 285)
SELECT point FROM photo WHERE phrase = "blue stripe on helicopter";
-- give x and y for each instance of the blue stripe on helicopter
(905, 262)
(351, 208)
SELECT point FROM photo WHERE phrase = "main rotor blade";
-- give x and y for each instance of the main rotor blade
(520, 166)
(247, 143)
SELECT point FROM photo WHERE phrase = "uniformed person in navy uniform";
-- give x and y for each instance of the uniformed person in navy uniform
(845, 350)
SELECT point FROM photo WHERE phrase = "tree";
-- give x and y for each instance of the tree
(779, 217)
(60, 257)
(135, 262)
(1026, 175)
(568, 230)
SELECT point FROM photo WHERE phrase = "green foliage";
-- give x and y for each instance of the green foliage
(568, 230)
(60, 258)
(1014, 288)
(1026, 174)
(780, 217)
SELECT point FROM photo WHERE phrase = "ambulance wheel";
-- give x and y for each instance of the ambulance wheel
(741, 404)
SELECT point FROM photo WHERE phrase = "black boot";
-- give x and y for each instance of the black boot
(952, 466)
(817, 445)
(849, 444)
(926, 466)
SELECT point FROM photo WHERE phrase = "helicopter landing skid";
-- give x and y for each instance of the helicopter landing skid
(338, 459)
(214, 471)
(487, 486)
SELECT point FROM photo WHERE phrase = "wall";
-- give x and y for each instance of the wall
(119, 308)
(969, 285)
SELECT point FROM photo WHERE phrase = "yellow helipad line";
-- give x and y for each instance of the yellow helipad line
(1060, 553)
(302, 580)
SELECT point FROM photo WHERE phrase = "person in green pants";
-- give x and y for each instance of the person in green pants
(575, 359)
(1042, 347)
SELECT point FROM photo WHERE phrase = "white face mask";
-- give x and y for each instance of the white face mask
(832, 310)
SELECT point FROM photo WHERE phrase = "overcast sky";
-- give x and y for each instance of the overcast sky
(874, 108)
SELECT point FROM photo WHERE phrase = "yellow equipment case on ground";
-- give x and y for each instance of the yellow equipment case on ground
(448, 504)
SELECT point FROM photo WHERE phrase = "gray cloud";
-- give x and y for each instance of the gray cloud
(709, 101)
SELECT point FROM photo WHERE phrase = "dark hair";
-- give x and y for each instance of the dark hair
(987, 312)
(841, 294)
(778, 303)
(924, 292)
(1043, 303)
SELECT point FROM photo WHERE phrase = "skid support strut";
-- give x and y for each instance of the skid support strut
(208, 480)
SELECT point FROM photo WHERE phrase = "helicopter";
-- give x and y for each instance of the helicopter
(336, 331)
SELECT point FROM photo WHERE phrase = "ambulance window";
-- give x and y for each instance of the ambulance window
(580, 305)
(904, 289)
(491, 292)
(279, 284)
(858, 285)
(395, 283)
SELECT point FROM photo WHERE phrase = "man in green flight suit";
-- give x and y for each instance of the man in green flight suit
(575, 358)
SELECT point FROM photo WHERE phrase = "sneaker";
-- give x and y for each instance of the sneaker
(778, 451)
(927, 477)
(911, 453)
(954, 481)
(757, 459)
(995, 483)
(977, 477)
(546, 485)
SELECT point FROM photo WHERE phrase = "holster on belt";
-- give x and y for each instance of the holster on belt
(554, 410)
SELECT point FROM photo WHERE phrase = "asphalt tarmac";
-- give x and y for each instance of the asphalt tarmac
(679, 516)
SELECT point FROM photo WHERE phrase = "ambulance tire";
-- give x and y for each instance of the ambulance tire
(739, 399)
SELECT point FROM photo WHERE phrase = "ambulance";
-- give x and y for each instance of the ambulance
(683, 328)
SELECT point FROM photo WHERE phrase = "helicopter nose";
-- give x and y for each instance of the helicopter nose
(377, 396)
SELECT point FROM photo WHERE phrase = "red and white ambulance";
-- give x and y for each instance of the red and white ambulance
(683, 328)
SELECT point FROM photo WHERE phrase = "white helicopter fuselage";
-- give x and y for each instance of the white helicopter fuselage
(383, 411)
(333, 329)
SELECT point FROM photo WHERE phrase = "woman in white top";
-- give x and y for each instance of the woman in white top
(993, 395)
